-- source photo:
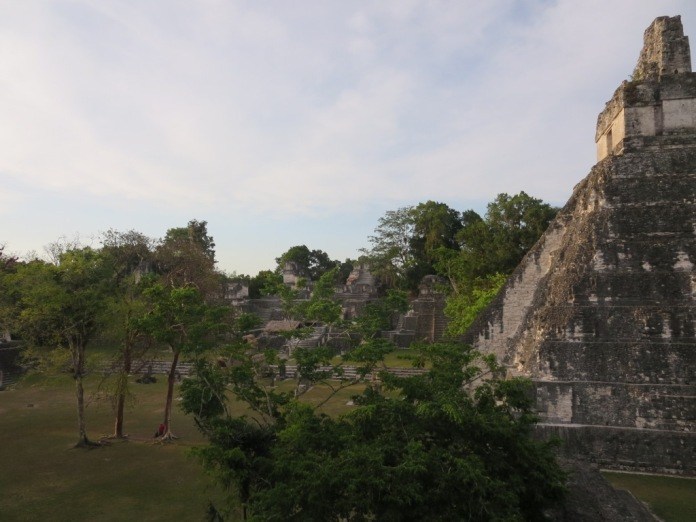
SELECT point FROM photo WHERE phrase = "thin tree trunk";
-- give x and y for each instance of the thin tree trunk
(78, 354)
(80, 393)
(120, 404)
(121, 389)
(170, 395)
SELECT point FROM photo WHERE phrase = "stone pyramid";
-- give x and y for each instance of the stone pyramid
(601, 313)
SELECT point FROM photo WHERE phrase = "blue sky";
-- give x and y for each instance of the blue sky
(284, 123)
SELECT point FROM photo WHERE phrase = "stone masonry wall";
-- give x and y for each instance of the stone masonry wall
(665, 49)
(601, 314)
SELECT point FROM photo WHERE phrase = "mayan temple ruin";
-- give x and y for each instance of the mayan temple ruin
(601, 313)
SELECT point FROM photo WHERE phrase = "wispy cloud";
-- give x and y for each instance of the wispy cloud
(317, 108)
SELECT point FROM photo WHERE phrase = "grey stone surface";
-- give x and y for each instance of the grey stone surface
(591, 498)
(601, 312)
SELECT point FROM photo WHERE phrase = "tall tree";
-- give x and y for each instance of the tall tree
(408, 241)
(435, 228)
(195, 232)
(266, 282)
(491, 248)
(511, 227)
(60, 306)
(390, 256)
(131, 256)
(180, 318)
(186, 256)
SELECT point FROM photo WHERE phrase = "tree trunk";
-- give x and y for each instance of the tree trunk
(82, 430)
(170, 394)
(78, 357)
(121, 389)
(120, 403)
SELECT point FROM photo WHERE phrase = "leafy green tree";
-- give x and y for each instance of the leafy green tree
(61, 306)
(196, 232)
(266, 282)
(8, 265)
(246, 321)
(452, 444)
(311, 263)
(435, 228)
(378, 315)
(490, 249)
(131, 255)
(390, 255)
(186, 256)
(463, 307)
(322, 306)
(180, 318)
(344, 270)
(511, 227)
(407, 242)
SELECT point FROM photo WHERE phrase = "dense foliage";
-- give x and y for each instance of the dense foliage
(61, 306)
(452, 444)
(473, 253)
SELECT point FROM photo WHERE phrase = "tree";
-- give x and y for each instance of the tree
(311, 263)
(407, 242)
(512, 226)
(131, 256)
(60, 306)
(435, 227)
(452, 444)
(196, 232)
(7, 261)
(186, 256)
(322, 307)
(490, 250)
(378, 315)
(266, 282)
(8, 265)
(344, 270)
(390, 255)
(180, 318)
(463, 307)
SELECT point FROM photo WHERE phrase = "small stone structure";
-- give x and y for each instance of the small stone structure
(292, 274)
(601, 313)
(236, 292)
(359, 289)
(661, 99)
(427, 319)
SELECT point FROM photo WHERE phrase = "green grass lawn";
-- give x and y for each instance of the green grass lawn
(673, 499)
(43, 478)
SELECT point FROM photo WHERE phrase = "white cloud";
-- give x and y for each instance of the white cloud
(310, 109)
